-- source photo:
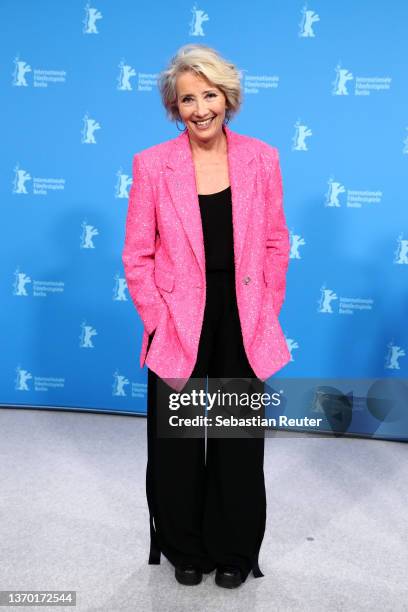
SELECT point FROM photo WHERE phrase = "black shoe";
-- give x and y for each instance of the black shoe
(188, 574)
(228, 576)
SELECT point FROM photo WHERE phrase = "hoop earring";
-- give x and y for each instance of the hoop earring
(182, 130)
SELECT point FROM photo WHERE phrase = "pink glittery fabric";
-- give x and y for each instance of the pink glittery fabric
(164, 258)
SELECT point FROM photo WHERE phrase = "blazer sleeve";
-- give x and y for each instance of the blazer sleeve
(139, 247)
(277, 236)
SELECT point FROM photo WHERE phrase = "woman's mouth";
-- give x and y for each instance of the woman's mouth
(203, 125)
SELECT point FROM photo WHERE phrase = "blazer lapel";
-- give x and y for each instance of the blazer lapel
(181, 182)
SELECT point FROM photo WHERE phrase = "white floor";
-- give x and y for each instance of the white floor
(74, 516)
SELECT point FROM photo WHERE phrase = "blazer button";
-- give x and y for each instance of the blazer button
(247, 279)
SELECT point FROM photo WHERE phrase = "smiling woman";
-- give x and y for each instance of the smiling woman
(221, 76)
(213, 197)
(203, 90)
(203, 112)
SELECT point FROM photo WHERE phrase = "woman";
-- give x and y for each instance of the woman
(205, 257)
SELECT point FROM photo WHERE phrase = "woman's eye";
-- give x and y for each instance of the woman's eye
(188, 98)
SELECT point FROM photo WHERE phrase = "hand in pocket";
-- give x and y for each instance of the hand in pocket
(150, 339)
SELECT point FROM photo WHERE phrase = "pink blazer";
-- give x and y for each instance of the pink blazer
(164, 259)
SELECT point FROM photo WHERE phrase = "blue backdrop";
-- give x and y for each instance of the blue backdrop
(325, 83)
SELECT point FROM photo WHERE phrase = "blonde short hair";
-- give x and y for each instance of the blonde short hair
(205, 62)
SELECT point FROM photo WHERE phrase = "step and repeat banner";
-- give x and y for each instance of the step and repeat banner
(326, 83)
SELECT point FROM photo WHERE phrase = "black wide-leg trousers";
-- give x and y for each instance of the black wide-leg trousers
(207, 503)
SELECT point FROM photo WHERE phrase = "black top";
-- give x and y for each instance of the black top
(216, 217)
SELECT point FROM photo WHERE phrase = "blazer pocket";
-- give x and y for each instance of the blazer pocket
(270, 293)
(164, 279)
(266, 281)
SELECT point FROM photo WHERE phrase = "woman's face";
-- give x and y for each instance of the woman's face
(198, 100)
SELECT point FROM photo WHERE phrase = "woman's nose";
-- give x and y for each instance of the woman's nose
(201, 109)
